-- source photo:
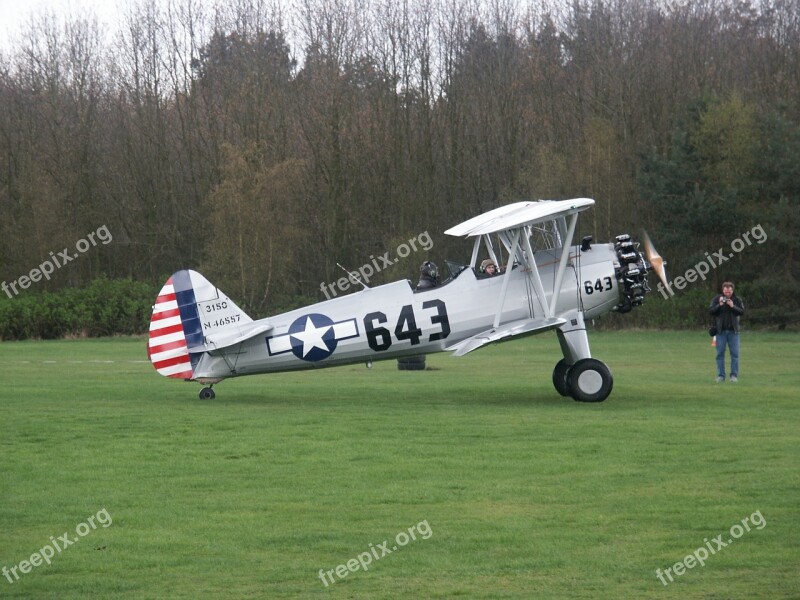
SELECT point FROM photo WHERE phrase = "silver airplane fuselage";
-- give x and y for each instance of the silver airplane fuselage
(393, 320)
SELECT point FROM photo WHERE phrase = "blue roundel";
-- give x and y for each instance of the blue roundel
(312, 337)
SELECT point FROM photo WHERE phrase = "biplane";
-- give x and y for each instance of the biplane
(546, 283)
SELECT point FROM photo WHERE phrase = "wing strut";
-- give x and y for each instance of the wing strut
(506, 278)
(562, 265)
(537, 281)
(475, 248)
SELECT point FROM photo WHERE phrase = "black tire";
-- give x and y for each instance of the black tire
(560, 377)
(589, 380)
(411, 363)
(207, 394)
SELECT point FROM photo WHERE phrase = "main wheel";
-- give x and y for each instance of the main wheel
(207, 394)
(411, 363)
(589, 380)
(560, 377)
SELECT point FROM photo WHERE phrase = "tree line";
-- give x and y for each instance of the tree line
(262, 143)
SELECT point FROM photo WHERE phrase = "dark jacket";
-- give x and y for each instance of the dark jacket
(426, 282)
(725, 317)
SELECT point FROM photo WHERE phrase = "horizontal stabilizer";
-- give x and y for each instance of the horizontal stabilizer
(503, 333)
(224, 340)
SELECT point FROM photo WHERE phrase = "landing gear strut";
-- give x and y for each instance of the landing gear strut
(207, 393)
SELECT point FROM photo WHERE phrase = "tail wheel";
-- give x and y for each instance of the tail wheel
(560, 377)
(207, 393)
(589, 380)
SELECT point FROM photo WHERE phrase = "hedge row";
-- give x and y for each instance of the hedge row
(106, 307)
(123, 307)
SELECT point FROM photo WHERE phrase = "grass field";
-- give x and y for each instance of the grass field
(512, 490)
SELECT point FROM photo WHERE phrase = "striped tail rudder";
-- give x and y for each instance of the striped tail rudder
(191, 316)
(167, 348)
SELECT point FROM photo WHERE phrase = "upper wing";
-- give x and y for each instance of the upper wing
(519, 214)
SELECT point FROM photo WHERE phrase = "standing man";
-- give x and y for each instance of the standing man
(726, 309)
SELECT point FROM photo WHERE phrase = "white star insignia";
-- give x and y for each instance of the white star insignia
(312, 337)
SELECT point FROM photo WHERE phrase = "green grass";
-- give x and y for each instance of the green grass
(527, 494)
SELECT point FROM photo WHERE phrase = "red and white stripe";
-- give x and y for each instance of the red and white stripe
(167, 345)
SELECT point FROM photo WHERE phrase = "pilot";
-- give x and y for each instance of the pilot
(488, 268)
(428, 276)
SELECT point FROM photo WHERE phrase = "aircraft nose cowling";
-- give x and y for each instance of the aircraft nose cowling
(631, 273)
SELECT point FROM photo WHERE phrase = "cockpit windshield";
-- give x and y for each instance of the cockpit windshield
(452, 270)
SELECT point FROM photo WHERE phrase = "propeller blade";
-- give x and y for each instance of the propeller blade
(655, 259)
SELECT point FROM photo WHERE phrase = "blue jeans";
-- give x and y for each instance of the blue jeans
(729, 339)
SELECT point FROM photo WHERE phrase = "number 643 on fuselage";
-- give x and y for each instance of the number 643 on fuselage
(197, 333)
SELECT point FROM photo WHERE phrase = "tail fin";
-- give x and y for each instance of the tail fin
(188, 310)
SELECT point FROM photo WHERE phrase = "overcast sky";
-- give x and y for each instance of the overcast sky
(14, 14)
